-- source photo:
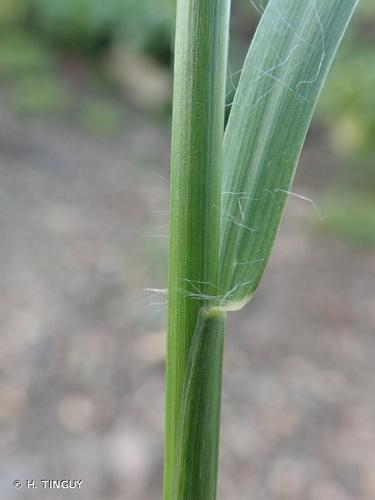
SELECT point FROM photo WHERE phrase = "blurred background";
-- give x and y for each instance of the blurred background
(85, 100)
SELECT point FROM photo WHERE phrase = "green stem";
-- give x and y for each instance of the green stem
(197, 139)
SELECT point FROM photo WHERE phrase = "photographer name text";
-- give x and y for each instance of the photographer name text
(49, 484)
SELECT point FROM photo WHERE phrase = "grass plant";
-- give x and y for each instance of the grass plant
(228, 193)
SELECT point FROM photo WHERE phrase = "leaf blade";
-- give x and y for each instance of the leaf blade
(283, 75)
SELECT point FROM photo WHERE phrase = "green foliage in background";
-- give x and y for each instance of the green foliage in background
(366, 8)
(101, 117)
(348, 104)
(22, 54)
(350, 216)
(40, 96)
(86, 24)
(12, 12)
(348, 109)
